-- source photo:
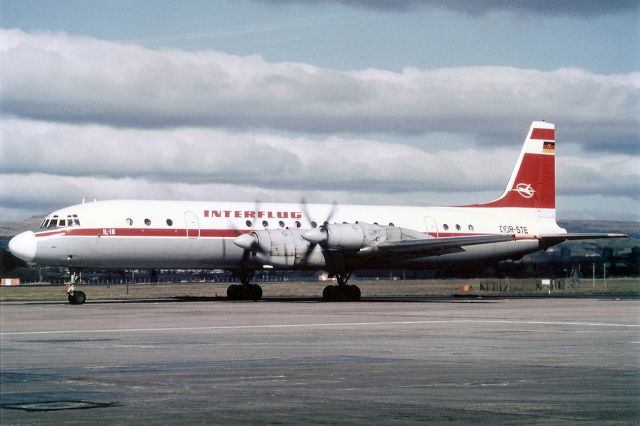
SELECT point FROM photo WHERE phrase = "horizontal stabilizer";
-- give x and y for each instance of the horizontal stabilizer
(549, 240)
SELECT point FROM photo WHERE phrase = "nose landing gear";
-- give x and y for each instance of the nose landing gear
(75, 297)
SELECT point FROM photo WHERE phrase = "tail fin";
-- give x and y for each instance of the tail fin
(533, 180)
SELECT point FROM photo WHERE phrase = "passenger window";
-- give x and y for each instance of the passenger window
(445, 227)
(129, 221)
(147, 222)
(248, 223)
(265, 223)
(298, 224)
(458, 227)
(314, 224)
(169, 222)
(281, 223)
(470, 227)
(391, 224)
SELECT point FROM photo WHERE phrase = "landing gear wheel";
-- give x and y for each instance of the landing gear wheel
(327, 294)
(77, 298)
(233, 292)
(244, 292)
(341, 293)
(354, 292)
(80, 297)
(256, 292)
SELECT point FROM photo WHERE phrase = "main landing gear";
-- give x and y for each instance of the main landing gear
(246, 290)
(341, 292)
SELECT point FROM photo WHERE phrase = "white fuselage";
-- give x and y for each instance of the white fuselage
(199, 235)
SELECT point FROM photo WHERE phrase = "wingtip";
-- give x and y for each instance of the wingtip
(617, 235)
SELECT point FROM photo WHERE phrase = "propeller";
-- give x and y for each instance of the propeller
(248, 241)
(319, 235)
(316, 235)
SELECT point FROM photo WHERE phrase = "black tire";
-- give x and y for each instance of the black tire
(80, 297)
(233, 292)
(329, 293)
(354, 292)
(256, 292)
(71, 299)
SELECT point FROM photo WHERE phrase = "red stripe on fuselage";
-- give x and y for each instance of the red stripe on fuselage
(204, 233)
(142, 232)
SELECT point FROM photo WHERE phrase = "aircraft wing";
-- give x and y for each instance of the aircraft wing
(433, 246)
(438, 246)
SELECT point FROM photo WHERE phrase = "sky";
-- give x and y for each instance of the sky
(399, 102)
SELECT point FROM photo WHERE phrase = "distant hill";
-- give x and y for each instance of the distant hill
(9, 229)
(630, 228)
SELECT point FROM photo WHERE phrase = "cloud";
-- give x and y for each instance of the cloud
(88, 118)
(48, 165)
(581, 8)
(270, 161)
(81, 80)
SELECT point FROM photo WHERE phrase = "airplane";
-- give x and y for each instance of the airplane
(245, 237)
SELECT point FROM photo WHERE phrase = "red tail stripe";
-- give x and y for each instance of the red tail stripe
(544, 134)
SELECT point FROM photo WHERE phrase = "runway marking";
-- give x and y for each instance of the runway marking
(339, 324)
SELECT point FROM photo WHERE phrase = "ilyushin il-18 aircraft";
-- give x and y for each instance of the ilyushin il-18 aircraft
(244, 237)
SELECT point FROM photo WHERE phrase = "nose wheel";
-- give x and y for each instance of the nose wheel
(76, 297)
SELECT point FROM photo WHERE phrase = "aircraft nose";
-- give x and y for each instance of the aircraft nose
(23, 246)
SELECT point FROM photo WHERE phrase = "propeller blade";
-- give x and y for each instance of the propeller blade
(334, 208)
(332, 212)
(305, 211)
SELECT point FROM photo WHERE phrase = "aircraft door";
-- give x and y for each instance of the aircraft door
(431, 226)
(192, 225)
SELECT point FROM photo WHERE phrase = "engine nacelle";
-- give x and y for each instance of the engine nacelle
(285, 248)
(357, 236)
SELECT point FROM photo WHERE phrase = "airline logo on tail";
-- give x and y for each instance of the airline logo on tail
(525, 190)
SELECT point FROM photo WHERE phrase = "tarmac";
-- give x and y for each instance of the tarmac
(404, 361)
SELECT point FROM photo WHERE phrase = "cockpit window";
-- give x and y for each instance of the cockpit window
(55, 222)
